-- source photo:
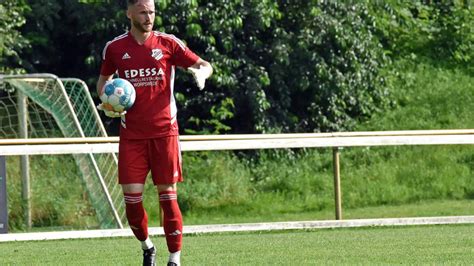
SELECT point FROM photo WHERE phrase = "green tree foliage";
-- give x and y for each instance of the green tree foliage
(454, 37)
(11, 40)
(230, 34)
(442, 30)
(67, 37)
(286, 67)
(330, 75)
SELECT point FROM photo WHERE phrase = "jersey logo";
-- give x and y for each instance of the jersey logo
(157, 54)
(126, 56)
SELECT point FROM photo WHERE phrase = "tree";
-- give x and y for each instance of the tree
(67, 37)
(441, 31)
(286, 66)
(11, 40)
(333, 74)
(280, 66)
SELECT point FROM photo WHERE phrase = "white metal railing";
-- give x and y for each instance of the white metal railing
(336, 140)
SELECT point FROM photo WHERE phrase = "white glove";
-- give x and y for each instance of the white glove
(109, 113)
(200, 75)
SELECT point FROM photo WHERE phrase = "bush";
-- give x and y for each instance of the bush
(441, 30)
(335, 75)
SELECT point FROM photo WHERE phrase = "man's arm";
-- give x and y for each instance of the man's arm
(101, 82)
(201, 70)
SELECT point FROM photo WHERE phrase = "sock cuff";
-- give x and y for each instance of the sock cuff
(168, 195)
(132, 198)
(147, 244)
(175, 257)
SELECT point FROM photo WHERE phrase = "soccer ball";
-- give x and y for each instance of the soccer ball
(117, 95)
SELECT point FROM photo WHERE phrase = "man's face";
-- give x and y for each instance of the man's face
(142, 15)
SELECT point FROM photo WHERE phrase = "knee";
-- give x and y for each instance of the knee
(166, 187)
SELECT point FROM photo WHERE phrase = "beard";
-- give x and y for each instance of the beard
(142, 28)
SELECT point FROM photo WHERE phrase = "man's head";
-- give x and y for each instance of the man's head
(141, 14)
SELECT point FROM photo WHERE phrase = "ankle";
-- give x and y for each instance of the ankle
(146, 244)
(175, 257)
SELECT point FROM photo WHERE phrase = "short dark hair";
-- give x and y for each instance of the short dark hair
(131, 2)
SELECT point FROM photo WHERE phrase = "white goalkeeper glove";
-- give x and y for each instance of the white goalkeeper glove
(200, 75)
(112, 114)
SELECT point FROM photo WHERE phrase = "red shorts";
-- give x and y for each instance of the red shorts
(161, 155)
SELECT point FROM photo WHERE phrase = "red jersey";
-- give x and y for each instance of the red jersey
(150, 67)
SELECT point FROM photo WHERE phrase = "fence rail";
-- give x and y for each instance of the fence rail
(39, 146)
(336, 140)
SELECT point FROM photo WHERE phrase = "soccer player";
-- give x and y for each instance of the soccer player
(149, 130)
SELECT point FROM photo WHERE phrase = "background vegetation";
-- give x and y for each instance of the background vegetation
(280, 66)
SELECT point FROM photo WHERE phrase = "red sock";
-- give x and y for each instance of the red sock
(172, 220)
(136, 215)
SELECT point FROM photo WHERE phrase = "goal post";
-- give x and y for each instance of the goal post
(55, 107)
(3, 197)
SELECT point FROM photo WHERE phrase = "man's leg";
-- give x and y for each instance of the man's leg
(172, 221)
(166, 172)
(136, 214)
(133, 168)
(138, 220)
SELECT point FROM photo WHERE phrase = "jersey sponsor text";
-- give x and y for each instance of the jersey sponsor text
(143, 72)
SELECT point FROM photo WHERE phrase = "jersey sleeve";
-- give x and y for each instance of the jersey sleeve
(108, 67)
(182, 55)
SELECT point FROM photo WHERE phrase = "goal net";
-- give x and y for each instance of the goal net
(45, 106)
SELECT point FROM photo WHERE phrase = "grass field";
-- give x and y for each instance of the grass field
(419, 209)
(416, 245)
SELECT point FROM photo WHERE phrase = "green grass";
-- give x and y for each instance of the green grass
(239, 214)
(415, 245)
(428, 97)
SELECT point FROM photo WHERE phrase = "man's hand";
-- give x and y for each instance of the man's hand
(199, 77)
(201, 71)
(109, 113)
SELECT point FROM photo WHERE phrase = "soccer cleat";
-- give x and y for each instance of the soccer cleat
(170, 263)
(149, 256)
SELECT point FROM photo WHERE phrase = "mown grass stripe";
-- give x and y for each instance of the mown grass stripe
(216, 228)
